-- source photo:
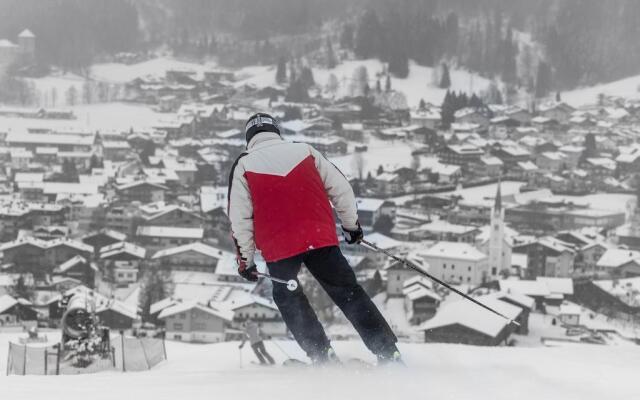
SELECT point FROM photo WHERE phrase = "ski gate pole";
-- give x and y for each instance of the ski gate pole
(433, 278)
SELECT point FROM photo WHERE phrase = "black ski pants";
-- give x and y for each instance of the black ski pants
(261, 353)
(329, 267)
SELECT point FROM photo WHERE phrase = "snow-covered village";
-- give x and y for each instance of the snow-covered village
(354, 199)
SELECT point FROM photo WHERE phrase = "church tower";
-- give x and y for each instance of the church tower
(499, 253)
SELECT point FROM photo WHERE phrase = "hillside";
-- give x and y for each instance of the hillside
(435, 371)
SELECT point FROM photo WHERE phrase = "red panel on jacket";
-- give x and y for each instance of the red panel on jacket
(292, 213)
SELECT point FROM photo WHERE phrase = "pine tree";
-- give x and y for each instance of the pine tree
(445, 79)
(387, 84)
(281, 71)
(422, 105)
(306, 77)
(331, 56)
(378, 86)
(558, 97)
(543, 80)
(399, 62)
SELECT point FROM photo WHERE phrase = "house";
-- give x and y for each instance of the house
(78, 268)
(552, 161)
(41, 256)
(122, 260)
(428, 118)
(569, 313)
(257, 309)
(465, 323)
(441, 230)
(526, 303)
(600, 167)
(462, 155)
(13, 311)
(472, 115)
(548, 256)
(370, 210)
(537, 290)
(144, 192)
(511, 155)
(620, 263)
(190, 321)
(457, 262)
(398, 275)
(556, 111)
(421, 301)
(572, 155)
(489, 167)
(190, 257)
(116, 315)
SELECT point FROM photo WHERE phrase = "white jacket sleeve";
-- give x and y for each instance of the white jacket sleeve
(339, 190)
(241, 214)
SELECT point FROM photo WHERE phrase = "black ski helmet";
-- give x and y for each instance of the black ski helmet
(260, 122)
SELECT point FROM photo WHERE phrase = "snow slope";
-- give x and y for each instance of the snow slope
(415, 87)
(628, 88)
(436, 371)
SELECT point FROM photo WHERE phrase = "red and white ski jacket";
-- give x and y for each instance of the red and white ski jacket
(279, 195)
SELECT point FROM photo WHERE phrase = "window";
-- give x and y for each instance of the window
(469, 268)
(453, 266)
(444, 266)
(468, 279)
(494, 270)
(200, 326)
(177, 327)
(183, 315)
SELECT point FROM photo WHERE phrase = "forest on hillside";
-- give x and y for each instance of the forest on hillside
(570, 42)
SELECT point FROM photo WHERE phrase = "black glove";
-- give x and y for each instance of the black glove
(353, 236)
(248, 272)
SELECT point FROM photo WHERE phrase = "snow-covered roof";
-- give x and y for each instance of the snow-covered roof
(567, 308)
(170, 232)
(47, 244)
(162, 304)
(6, 302)
(26, 34)
(368, 204)
(226, 315)
(197, 247)
(454, 250)
(526, 287)
(562, 286)
(442, 226)
(421, 292)
(248, 300)
(614, 258)
(467, 314)
(70, 263)
(118, 307)
(122, 247)
(382, 241)
(519, 298)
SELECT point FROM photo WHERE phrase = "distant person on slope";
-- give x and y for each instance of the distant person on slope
(253, 333)
(279, 203)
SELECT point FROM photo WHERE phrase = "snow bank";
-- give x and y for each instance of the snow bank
(435, 371)
(629, 88)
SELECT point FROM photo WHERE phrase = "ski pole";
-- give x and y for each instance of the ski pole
(292, 284)
(433, 278)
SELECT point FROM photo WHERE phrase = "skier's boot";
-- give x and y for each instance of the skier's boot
(326, 357)
(390, 357)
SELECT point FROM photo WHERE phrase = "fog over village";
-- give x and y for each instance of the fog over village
(493, 151)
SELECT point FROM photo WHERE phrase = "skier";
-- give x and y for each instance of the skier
(253, 333)
(279, 203)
